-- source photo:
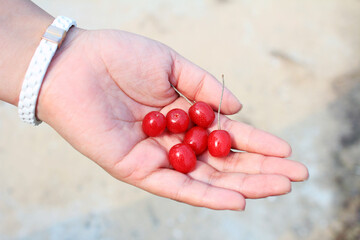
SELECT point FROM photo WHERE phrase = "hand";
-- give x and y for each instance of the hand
(101, 84)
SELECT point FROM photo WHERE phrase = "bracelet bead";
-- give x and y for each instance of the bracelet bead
(38, 66)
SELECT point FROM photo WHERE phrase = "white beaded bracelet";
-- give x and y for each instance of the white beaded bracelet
(50, 42)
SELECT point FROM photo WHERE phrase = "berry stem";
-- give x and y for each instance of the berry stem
(221, 98)
(182, 95)
(236, 150)
(219, 127)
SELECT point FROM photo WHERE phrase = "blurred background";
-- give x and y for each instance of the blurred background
(294, 64)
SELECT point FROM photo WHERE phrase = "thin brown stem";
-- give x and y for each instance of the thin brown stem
(182, 95)
(221, 98)
(236, 150)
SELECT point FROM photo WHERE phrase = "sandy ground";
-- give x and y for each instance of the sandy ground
(294, 64)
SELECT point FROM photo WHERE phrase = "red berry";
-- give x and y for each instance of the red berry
(202, 114)
(219, 143)
(182, 158)
(154, 124)
(177, 120)
(197, 139)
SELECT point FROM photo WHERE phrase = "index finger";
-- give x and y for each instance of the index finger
(181, 187)
(199, 85)
(250, 139)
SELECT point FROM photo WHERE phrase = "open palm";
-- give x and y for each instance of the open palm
(100, 86)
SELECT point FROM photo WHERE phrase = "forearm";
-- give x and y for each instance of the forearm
(22, 24)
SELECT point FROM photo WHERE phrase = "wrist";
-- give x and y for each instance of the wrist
(35, 74)
(54, 71)
(22, 25)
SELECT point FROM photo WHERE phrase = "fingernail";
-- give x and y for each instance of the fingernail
(237, 104)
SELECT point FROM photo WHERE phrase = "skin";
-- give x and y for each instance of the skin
(99, 87)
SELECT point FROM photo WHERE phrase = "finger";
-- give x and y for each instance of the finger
(199, 85)
(258, 164)
(244, 137)
(249, 185)
(178, 103)
(250, 139)
(180, 187)
(151, 172)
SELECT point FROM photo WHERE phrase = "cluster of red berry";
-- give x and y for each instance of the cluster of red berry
(182, 156)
